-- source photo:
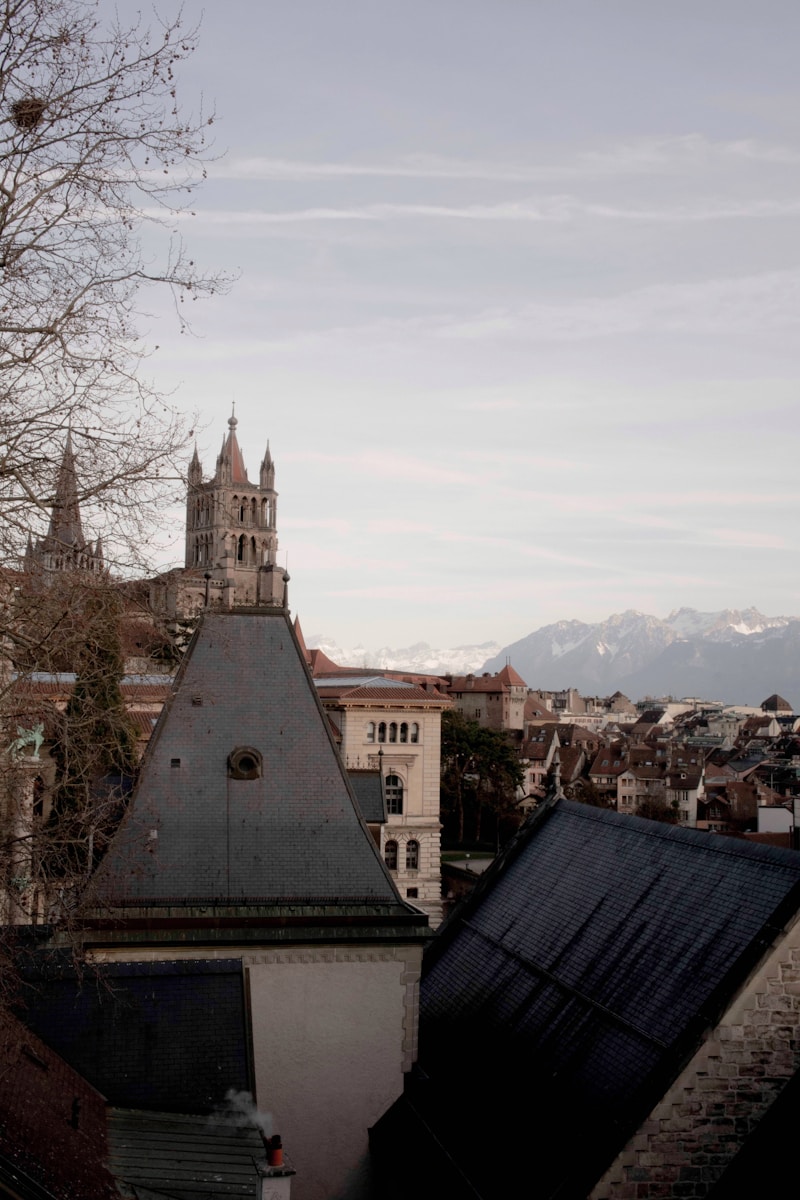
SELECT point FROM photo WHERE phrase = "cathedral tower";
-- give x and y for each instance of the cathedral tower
(231, 529)
(64, 547)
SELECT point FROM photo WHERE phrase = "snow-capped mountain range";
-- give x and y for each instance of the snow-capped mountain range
(420, 657)
(739, 656)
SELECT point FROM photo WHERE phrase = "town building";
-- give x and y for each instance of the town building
(494, 701)
(394, 726)
(250, 935)
(616, 998)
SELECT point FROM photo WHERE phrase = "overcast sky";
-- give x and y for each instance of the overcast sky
(518, 304)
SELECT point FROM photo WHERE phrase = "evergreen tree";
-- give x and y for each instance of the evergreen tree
(96, 753)
(480, 773)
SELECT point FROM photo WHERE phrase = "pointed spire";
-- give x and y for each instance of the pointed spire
(98, 554)
(267, 474)
(195, 473)
(65, 519)
(230, 464)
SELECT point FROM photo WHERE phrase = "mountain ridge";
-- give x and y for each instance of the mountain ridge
(736, 655)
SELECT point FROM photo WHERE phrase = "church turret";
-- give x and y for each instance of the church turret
(195, 474)
(267, 470)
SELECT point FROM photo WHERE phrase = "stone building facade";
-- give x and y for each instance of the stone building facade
(395, 727)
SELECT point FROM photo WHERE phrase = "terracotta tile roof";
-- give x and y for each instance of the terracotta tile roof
(511, 677)
(478, 683)
(367, 695)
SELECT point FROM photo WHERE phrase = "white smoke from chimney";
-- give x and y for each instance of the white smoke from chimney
(240, 1112)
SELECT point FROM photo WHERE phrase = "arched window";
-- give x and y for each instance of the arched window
(394, 795)
(242, 511)
(390, 855)
(38, 796)
(414, 731)
(412, 855)
(393, 731)
(404, 732)
(253, 511)
(382, 732)
(240, 549)
(263, 512)
(370, 731)
(252, 555)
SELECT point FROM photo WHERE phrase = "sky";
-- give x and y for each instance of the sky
(517, 305)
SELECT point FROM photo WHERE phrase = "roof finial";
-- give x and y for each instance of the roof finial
(232, 422)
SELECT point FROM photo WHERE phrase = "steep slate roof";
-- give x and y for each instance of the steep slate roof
(368, 789)
(196, 834)
(580, 976)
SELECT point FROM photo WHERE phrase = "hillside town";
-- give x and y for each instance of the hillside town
(195, 685)
(504, 312)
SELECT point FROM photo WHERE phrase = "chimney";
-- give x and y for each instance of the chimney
(276, 1177)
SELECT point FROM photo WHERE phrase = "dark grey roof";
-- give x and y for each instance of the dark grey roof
(181, 1157)
(581, 974)
(368, 789)
(196, 833)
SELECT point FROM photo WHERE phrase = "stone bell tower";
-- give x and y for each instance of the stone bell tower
(231, 533)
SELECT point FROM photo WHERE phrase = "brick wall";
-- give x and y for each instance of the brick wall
(719, 1098)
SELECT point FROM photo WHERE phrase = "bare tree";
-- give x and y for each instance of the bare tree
(97, 163)
(93, 150)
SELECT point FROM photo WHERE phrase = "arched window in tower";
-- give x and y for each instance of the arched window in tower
(412, 855)
(253, 511)
(382, 732)
(242, 512)
(393, 731)
(414, 731)
(252, 555)
(404, 732)
(394, 795)
(263, 512)
(390, 855)
(241, 549)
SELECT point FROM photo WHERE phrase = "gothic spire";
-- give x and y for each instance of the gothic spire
(66, 530)
(230, 464)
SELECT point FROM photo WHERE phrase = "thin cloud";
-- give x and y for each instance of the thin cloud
(740, 305)
(556, 209)
(640, 156)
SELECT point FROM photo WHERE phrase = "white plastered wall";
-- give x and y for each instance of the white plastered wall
(333, 1031)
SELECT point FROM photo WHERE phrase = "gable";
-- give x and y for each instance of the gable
(242, 792)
